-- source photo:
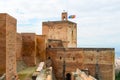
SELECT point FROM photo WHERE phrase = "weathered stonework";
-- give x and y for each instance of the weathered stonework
(2, 43)
(8, 46)
(19, 47)
(41, 47)
(83, 58)
(29, 48)
(61, 30)
(54, 47)
(98, 61)
(54, 43)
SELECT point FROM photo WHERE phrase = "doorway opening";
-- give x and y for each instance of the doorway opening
(68, 76)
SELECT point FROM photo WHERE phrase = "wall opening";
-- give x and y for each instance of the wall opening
(68, 76)
(64, 18)
(49, 58)
(49, 46)
(73, 58)
(60, 57)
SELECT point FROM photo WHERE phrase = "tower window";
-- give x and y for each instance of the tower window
(49, 58)
(73, 58)
(63, 17)
(60, 57)
(49, 46)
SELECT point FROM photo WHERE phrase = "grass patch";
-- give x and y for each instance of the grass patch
(22, 76)
(26, 73)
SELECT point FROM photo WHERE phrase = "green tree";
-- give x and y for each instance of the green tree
(117, 76)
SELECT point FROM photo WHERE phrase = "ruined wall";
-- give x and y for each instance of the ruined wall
(19, 56)
(41, 48)
(19, 47)
(61, 30)
(83, 58)
(29, 48)
(8, 45)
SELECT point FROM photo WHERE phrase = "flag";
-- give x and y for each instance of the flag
(71, 16)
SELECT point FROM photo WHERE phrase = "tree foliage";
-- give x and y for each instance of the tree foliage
(117, 76)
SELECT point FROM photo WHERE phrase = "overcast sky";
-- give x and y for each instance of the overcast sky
(98, 20)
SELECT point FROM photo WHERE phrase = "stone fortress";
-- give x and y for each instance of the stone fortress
(58, 43)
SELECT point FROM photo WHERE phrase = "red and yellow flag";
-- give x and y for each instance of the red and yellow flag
(71, 16)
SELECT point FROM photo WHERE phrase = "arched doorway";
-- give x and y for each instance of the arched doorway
(68, 76)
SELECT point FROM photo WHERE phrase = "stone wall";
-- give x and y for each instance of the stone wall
(61, 30)
(20, 63)
(19, 47)
(2, 44)
(72, 34)
(41, 48)
(83, 58)
(54, 43)
(29, 48)
(8, 45)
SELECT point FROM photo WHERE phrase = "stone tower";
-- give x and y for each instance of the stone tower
(7, 46)
(61, 30)
(64, 16)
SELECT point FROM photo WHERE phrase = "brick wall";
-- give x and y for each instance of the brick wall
(19, 47)
(2, 43)
(29, 48)
(61, 30)
(8, 45)
(72, 34)
(54, 43)
(41, 48)
(83, 58)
